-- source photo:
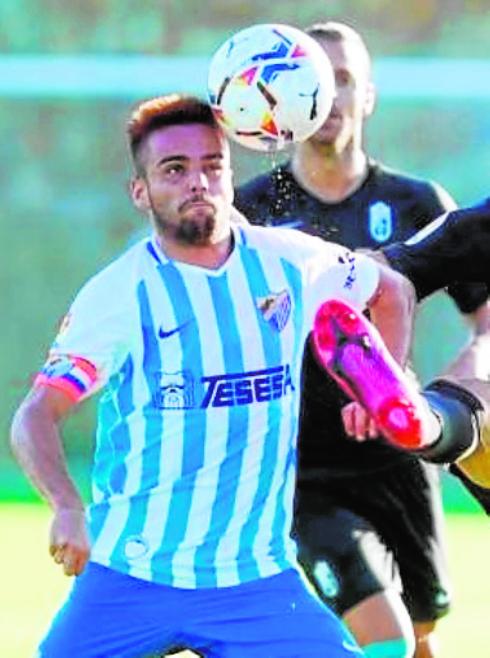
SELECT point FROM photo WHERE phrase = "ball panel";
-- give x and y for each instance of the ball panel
(270, 85)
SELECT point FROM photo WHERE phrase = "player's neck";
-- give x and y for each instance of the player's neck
(210, 256)
(328, 175)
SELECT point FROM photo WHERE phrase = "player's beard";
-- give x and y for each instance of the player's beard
(191, 230)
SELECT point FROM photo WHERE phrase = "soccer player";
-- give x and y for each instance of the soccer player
(367, 515)
(195, 335)
(456, 246)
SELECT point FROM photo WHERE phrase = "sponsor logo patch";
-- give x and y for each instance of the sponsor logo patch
(175, 390)
(248, 387)
(178, 390)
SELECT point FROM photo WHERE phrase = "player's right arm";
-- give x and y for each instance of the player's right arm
(37, 445)
(91, 345)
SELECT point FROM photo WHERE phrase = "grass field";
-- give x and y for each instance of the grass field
(31, 586)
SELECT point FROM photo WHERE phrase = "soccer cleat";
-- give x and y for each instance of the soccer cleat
(354, 354)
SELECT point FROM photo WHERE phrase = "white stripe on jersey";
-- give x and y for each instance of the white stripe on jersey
(427, 230)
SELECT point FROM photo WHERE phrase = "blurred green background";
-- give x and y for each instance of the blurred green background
(69, 75)
(65, 210)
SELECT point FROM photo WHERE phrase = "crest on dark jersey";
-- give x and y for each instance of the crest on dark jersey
(380, 221)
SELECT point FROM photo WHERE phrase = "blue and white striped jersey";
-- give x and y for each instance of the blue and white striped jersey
(195, 456)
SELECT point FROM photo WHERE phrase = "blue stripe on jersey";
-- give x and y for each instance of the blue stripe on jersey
(151, 249)
(295, 282)
(153, 430)
(112, 413)
(271, 346)
(229, 472)
(243, 236)
(113, 432)
(293, 275)
(194, 433)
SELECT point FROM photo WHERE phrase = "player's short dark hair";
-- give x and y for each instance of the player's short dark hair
(336, 31)
(170, 110)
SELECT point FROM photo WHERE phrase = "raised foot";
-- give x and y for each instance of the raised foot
(354, 354)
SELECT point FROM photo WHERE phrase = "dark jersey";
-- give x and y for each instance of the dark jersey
(387, 207)
(456, 248)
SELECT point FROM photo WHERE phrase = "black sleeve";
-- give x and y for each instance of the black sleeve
(453, 248)
(468, 295)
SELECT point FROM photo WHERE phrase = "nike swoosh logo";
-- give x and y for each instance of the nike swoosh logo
(166, 334)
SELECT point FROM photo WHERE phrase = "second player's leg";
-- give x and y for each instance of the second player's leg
(353, 572)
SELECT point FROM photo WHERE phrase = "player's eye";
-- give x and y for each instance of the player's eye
(173, 169)
(215, 166)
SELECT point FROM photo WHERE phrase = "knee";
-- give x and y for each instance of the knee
(382, 626)
(426, 645)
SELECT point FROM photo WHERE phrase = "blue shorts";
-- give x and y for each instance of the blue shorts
(112, 615)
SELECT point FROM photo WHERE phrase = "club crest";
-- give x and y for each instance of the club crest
(380, 221)
(275, 309)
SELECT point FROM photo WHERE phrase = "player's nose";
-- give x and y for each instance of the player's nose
(198, 181)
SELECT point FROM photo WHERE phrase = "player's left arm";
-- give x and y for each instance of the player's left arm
(392, 311)
(473, 361)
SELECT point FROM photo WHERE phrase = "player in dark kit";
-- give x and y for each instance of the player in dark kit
(449, 422)
(456, 246)
(453, 247)
(368, 516)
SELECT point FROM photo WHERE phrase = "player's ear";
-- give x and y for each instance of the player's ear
(139, 193)
(370, 100)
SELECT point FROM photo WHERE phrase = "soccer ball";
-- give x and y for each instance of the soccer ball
(270, 85)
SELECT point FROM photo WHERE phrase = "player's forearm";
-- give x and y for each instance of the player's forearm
(473, 361)
(392, 311)
(36, 443)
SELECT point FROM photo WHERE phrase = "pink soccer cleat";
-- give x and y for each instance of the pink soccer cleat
(354, 354)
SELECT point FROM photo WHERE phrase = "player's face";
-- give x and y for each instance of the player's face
(354, 95)
(187, 183)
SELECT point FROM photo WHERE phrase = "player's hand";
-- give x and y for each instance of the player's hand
(357, 422)
(68, 542)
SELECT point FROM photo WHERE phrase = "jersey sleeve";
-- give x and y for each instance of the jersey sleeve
(90, 346)
(444, 202)
(467, 295)
(453, 248)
